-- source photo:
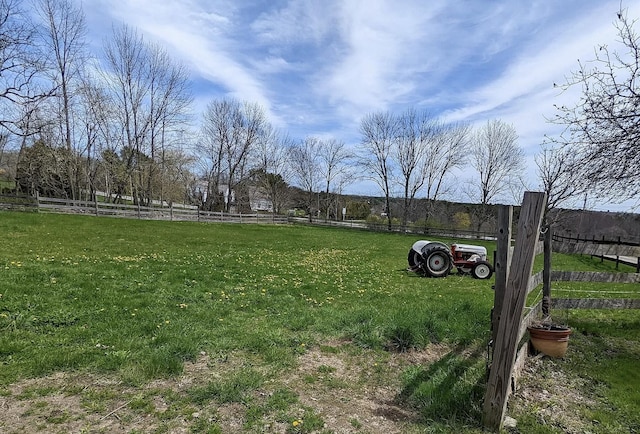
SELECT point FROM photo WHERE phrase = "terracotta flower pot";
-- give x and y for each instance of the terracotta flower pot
(551, 340)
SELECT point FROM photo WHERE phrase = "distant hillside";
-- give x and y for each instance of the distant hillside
(598, 224)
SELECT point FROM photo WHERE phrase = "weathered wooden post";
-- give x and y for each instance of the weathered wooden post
(546, 272)
(502, 262)
(506, 343)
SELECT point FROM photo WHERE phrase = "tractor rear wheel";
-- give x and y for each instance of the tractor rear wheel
(437, 260)
(414, 259)
(482, 270)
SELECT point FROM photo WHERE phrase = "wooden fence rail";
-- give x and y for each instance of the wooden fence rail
(594, 240)
(596, 303)
(620, 251)
(97, 208)
(594, 276)
(17, 202)
(185, 213)
(589, 248)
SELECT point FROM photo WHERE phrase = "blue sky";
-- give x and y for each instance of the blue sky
(318, 66)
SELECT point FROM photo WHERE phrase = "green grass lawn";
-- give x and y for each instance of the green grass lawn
(154, 294)
(138, 301)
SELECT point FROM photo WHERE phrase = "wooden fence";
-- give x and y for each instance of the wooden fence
(404, 229)
(19, 202)
(160, 212)
(620, 251)
(514, 283)
(181, 213)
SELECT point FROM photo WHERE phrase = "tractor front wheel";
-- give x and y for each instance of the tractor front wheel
(482, 270)
(437, 260)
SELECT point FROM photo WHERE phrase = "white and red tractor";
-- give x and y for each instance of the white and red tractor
(435, 259)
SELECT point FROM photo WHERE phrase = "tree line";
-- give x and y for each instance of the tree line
(121, 122)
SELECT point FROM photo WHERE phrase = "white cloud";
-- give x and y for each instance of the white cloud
(534, 71)
(196, 33)
(318, 66)
(523, 93)
(379, 49)
(297, 22)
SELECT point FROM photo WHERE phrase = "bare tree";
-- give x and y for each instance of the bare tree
(560, 174)
(22, 68)
(100, 130)
(379, 131)
(231, 132)
(214, 132)
(273, 171)
(8, 158)
(499, 161)
(169, 100)
(151, 97)
(449, 150)
(334, 158)
(127, 76)
(176, 177)
(249, 125)
(305, 165)
(4, 140)
(603, 127)
(346, 178)
(415, 133)
(89, 133)
(64, 39)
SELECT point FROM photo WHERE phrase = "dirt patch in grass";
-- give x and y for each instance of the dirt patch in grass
(347, 389)
(553, 398)
(62, 403)
(352, 393)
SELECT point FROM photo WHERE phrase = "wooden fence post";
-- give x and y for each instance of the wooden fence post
(502, 261)
(546, 272)
(506, 344)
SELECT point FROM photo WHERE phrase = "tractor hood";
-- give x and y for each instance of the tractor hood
(478, 250)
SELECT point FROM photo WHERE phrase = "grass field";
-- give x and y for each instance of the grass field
(113, 325)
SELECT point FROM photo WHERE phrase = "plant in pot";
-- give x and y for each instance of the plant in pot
(549, 338)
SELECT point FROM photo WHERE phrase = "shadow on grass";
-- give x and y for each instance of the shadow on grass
(450, 390)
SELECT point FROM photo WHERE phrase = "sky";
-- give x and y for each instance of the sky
(318, 67)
